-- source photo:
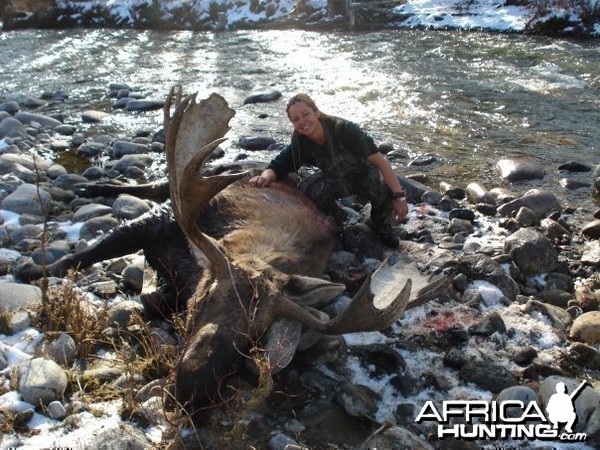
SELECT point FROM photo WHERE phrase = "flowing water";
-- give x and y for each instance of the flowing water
(470, 99)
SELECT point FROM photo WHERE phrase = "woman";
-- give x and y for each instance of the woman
(350, 164)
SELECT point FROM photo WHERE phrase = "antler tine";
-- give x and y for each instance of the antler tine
(195, 125)
(195, 190)
(194, 193)
(360, 315)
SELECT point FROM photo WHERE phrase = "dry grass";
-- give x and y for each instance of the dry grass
(64, 309)
(5, 320)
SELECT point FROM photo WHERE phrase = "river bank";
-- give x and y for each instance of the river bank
(511, 326)
(579, 19)
(499, 332)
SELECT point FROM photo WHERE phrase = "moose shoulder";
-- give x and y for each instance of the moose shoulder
(260, 271)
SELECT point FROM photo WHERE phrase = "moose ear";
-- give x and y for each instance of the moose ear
(309, 291)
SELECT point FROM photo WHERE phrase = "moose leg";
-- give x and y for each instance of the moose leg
(158, 191)
(119, 242)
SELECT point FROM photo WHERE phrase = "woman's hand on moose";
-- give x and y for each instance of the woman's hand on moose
(259, 181)
(401, 208)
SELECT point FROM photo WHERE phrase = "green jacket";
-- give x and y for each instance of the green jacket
(343, 156)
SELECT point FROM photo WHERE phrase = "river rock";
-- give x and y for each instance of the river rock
(540, 202)
(62, 350)
(585, 355)
(447, 203)
(414, 189)
(87, 212)
(127, 162)
(282, 441)
(10, 107)
(462, 213)
(517, 393)
(586, 328)
(25, 100)
(28, 199)
(482, 267)
(45, 121)
(558, 317)
(122, 102)
(56, 410)
(554, 230)
(592, 229)
(65, 129)
(129, 207)
(502, 195)
(526, 217)
(91, 116)
(452, 191)
(92, 228)
(590, 255)
(520, 169)
(151, 411)
(263, 97)
(21, 165)
(41, 381)
(255, 142)
(572, 185)
(477, 193)
(11, 127)
(133, 276)
(487, 375)
(460, 226)
(357, 400)
(531, 252)
(144, 105)
(52, 252)
(93, 173)
(55, 171)
(121, 314)
(69, 181)
(121, 148)
(17, 296)
(422, 160)
(90, 149)
(574, 166)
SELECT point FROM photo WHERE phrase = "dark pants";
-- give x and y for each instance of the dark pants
(368, 187)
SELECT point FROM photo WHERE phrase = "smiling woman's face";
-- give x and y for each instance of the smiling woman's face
(304, 119)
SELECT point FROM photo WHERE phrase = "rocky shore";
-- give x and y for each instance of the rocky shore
(577, 19)
(522, 312)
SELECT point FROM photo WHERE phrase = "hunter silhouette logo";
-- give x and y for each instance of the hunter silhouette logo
(561, 408)
(509, 419)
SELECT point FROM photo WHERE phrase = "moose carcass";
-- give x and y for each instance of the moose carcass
(264, 268)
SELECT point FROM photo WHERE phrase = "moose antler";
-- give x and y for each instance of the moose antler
(196, 126)
(362, 314)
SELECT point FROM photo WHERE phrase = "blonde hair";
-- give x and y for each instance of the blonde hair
(305, 98)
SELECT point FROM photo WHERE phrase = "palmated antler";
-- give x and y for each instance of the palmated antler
(363, 313)
(196, 126)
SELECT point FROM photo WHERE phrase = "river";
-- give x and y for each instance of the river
(468, 98)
